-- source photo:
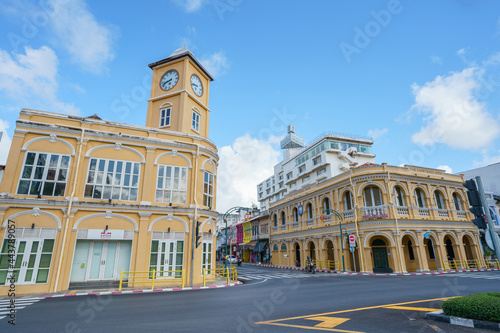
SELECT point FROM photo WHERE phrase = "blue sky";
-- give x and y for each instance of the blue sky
(421, 77)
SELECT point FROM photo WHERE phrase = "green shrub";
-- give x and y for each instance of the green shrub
(477, 306)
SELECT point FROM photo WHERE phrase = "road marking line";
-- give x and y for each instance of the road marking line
(315, 328)
(328, 322)
(353, 310)
(411, 308)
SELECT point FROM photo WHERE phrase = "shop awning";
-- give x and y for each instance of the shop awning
(248, 245)
(260, 246)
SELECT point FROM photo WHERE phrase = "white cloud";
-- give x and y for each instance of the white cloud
(377, 133)
(88, 42)
(461, 52)
(446, 168)
(242, 166)
(436, 60)
(216, 64)
(5, 142)
(191, 5)
(452, 113)
(30, 79)
(488, 159)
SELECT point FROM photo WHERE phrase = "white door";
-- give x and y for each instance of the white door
(206, 257)
(167, 257)
(103, 260)
(31, 260)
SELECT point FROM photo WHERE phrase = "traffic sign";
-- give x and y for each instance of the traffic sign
(323, 218)
(247, 216)
(352, 241)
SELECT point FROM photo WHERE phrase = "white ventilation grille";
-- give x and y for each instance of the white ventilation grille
(128, 234)
(157, 235)
(82, 234)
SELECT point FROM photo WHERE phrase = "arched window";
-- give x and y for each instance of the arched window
(275, 220)
(283, 247)
(399, 199)
(283, 218)
(410, 250)
(309, 209)
(295, 215)
(378, 242)
(457, 201)
(438, 200)
(348, 201)
(372, 196)
(419, 198)
(275, 247)
(326, 205)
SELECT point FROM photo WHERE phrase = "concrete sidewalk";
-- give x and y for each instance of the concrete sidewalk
(383, 274)
(124, 291)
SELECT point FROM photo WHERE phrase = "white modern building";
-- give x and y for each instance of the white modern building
(328, 155)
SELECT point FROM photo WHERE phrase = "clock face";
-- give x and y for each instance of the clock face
(196, 85)
(169, 79)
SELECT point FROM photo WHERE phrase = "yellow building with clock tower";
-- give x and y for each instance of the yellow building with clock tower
(83, 199)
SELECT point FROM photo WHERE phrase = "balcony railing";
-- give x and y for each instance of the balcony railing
(402, 210)
(348, 214)
(309, 222)
(423, 211)
(442, 213)
(461, 215)
(376, 212)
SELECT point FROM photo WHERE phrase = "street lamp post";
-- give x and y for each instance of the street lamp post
(224, 217)
(328, 211)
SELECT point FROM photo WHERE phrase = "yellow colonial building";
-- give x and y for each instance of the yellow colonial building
(403, 219)
(83, 199)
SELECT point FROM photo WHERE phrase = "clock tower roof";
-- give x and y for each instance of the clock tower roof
(182, 53)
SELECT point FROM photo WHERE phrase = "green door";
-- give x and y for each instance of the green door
(380, 257)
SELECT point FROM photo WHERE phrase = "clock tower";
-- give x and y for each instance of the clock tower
(179, 94)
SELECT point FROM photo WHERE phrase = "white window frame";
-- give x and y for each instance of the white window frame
(45, 168)
(371, 190)
(173, 188)
(165, 116)
(421, 197)
(195, 122)
(348, 200)
(317, 160)
(399, 196)
(438, 199)
(457, 201)
(207, 253)
(208, 189)
(118, 189)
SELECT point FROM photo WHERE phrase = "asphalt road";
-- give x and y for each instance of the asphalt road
(271, 300)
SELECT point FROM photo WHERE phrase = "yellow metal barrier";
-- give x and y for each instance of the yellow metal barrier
(493, 263)
(449, 265)
(151, 277)
(325, 264)
(228, 273)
